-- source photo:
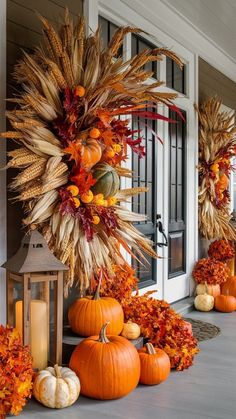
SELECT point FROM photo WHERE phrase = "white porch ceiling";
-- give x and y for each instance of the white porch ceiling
(215, 18)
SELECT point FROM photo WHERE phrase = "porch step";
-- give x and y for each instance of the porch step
(183, 306)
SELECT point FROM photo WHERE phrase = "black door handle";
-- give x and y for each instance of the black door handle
(162, 231)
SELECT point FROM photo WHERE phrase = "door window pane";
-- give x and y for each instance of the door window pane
(175, 77)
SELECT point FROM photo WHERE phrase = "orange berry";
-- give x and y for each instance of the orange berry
(76, 202)
(105, 203)
(73, 189)
(110, 153)
(111, 201)
(87, 197)
(117, 148)
(96, 219)
(79, 91)
(94, 133)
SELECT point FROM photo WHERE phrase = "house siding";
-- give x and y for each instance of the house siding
(213, 82)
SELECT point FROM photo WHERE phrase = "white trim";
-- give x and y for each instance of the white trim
(3, 215)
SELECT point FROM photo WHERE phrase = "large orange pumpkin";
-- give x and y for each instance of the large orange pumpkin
(225, 303)
(87, 315)
(229, 287)
(90, 152)
(108, 367)
(155, 365)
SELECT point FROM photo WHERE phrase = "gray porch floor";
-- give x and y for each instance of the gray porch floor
(206, 390)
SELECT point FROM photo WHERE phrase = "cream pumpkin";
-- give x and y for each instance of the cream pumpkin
(131, 330)
(56, 387)
(213, 290)
(204, 302)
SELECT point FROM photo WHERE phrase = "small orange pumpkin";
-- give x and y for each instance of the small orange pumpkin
(229, 287)
(225, 303)
(90, 152)
(87, 315)
(108, 367)
(155, 365)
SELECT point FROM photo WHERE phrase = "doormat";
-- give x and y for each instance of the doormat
(203, 330)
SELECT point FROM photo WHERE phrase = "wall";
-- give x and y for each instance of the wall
(2, 159)
(213, 82)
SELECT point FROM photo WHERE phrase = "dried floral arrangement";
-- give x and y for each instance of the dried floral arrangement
(211, 271)
(16, 372)
(72, 142)
(222, 250)
(217, 144)
(161, 325)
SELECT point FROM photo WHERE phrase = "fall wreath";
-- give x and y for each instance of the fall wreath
(72, 130)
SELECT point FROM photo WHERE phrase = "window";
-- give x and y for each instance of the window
(138, 44)
(175, 77)
(145, 203)
(107, 31)
(177, 202)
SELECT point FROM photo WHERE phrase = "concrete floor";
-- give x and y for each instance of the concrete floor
(206, 390)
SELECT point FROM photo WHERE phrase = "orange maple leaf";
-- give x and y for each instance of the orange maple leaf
(74, 150)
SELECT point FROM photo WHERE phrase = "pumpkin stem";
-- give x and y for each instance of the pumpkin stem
(97, 292)
(150, 348)
(57, 371)
(102, 335)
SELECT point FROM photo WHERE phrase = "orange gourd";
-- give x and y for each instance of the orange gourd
(229, 287)
(108, 367)
(87, 315)
(223, 181)
(155, 365)
(225, 303)
(90, 152)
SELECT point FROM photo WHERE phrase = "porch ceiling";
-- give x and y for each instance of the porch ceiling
(214, 18)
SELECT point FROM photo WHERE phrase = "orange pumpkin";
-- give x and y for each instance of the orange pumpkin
(108, 367)
(87, 315)
(155, 365)
(90, 152)
(225, 303)
(229, 287)
(223, 181)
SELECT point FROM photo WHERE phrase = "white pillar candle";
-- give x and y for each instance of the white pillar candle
(38, 331)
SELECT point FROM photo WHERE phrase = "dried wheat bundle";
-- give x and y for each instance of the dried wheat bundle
(72, 141)
(217, 144)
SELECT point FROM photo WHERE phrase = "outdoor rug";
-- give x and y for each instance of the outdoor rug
(203, 330)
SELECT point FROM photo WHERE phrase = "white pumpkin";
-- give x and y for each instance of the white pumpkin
(204, 302)
(56, 387)
(131, 330)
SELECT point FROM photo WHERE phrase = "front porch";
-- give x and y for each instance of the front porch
(206, 390)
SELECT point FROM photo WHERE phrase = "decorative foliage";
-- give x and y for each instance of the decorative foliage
(211, 271)
(15, 372)
(222, 250)
(217, 142)
(161, 325)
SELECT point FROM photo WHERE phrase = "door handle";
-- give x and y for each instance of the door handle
(162, 231)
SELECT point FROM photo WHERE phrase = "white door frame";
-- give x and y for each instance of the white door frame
(121, 14)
